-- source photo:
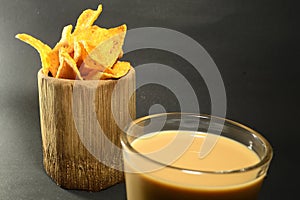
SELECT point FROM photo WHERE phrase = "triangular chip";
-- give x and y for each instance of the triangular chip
(89, 52)
(87, 19)
(107, 50)
(85, 71)
(66, 40)
(67, 68)
(88, 61)
(119, 69)
(65, 71)
(79, 53)
(94, 34)
(48, 58)
(93, 75)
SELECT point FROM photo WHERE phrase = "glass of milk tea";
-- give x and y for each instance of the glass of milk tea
(191, 156)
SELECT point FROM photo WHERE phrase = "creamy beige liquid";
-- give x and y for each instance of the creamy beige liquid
(169, 183)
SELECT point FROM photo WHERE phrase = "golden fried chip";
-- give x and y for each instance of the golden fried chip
(53, 62)
(64, 70)
(117, 30)
(67, 68)
(119, 69)
(66, 40)
(48, 59)
(35, 43)
(91, 34)
(86, 19)
(105, 51)
(79, 53)
(90, 52)
(84, 71)
(66, 33)
(93, 75)
(101, 35)
(88, 60)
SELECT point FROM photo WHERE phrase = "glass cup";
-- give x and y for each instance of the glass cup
(154, 173)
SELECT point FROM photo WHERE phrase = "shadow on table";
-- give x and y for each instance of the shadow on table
(111, 193)
(22, 128)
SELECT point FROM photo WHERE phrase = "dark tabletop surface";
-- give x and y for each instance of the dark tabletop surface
(254, 43)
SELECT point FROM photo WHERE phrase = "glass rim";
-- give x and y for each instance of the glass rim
(264, 161)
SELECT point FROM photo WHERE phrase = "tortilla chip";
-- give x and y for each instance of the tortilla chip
(93, 75)
(106, 50)
(48, 59)
(67, 68)
(66, 40)
(87, 19)
(120, 68)
(79, 53)
(89, 52)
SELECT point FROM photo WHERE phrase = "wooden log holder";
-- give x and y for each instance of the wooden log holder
(65, 157)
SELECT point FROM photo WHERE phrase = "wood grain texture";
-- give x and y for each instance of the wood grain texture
(66, 158)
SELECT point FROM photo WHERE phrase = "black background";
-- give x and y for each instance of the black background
(254, 43)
